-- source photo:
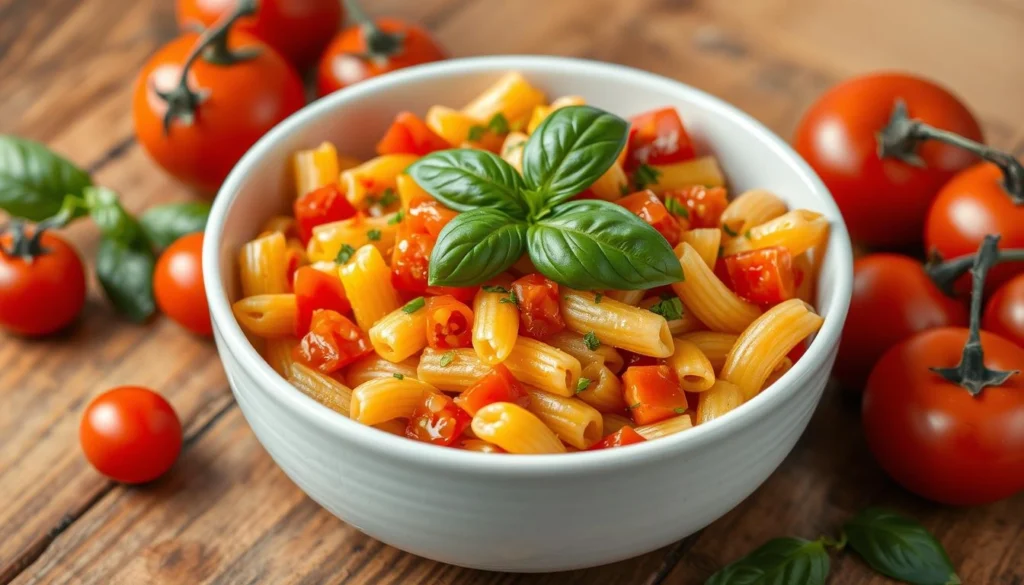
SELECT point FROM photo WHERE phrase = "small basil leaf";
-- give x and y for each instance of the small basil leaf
(475, 246)
(570, 150)
(34, 180)
(465, 179)
(594, 245)
(783, 561)
(166, 223)
(113, 221)
(126, 273)
(900, 548)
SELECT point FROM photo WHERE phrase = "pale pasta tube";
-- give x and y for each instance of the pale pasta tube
(512, 149)
(669, 426)
(609, 186)
(264, 266)
(279, 223)
(692, 367)
(515, 429)
(537, 364)
(784, 366)
(367, 282)
(455, 127)
(762, 345)
(797, 231)
(315, 168)
(573, 421)
(355, 232)
(267, 315)
(541, 112)
(278, 353)
(614, 422)
(495, 325)
(719, 399)
(395, 426)
(322, 388)
(374, 177)
(453, 370)
(575, 345)
(373, 366)
(603, 390)
(714, 345)
(699, 171)
(617, 324)
(708, 298)
(479, 446)
(806, 277)
(384, 399)
(707, 243)
(752, 208)
(686, 322)
(400, 334)
(629, 297)
(511, 96)
(409, 190)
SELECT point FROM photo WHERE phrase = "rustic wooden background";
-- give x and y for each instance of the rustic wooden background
(226, 514)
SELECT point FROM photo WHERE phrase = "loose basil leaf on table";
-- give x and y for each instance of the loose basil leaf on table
(166, 223)
(592, 245)
(782, 561)
(900, 548)
(126, 273)
(34, 180)
(570, 150)
(465, 179)
(113, 221)
(475, 246)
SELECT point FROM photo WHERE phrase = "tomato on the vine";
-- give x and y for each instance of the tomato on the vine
(1004, 313)
(883, 201)
(42, 283)
(178, 284)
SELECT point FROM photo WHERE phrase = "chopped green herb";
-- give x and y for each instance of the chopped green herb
(728, 230)
(597, 298)
(388, 197)
(721, 250)
(344, 254)
(476, 132)
(517, 126)
(624, 189)
(494, 289)
(671, 309)
(414, 305)
(447, 358)
(511, 298)
(399, 376)
(397, 219)
(674, 206)
(746, 234)
(373, 235)
(498, 124)
(582, 385)
(679, 410)
(591, 341)
(645, 175)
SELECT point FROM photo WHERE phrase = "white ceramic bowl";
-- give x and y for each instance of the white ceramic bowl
(508, 512)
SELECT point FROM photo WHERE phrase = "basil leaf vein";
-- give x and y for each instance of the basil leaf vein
(34, 180)
(475, 246)
(900, 548)
(782, 561)
(166, 223)
(465, 179)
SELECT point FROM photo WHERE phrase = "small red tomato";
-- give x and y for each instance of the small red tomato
(332, 343)
(884, 202)
(892, 299)
(320, 206)
(437, 420)
(649, 208)
(410, 263)
(763, 276)
(373, 48)
(620, 438)
(314, 290)
(652, 393)
(178, 284)
(1004, 313)
(409, 134)
(658, 138)
(498, 385)
(540, 315)
(449, 323)
(427, 216)
(130, 434)
(704, 205)
(42, 285)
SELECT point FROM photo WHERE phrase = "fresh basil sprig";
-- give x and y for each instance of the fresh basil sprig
(164, 224)
(34, 180)
(779, 561)
(580, 244)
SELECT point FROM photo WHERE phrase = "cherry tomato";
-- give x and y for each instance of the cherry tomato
(658, 138)
(649, 208)
(620, 438)
(449, 323)
(498, 385)
(932, 436)
(970, 206)
(320, 206)
(892, 299)
(43, 292)
(178, 284)
(345, 60)
(130, 434)
(298, 29)
(704, 205)
(763, 276)
(332, 343)
(314, 290)
(437, 420)
(1004, 313)
(539, 312)
(239, 103)
(652, 393)
(883, 201)
(409, 134)
(427, 216)
(410, 263)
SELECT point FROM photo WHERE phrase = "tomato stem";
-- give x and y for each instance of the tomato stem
(23, 245)
(971, 373)
(379, 44)
(945, 273)
(837, 545)
(903, 134)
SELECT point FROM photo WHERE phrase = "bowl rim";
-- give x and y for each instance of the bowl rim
(400, 449)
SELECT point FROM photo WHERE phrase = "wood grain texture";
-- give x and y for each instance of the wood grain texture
(227, 514)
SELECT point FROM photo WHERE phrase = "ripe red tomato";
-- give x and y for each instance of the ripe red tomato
(892, 299)
(970, 206)
(409, 134)
(449, 323)
(427, 216)
(883, 201)
(539, 312)
(332, 343)
(620, 438)
(410, 263)
(649, 208)
(704, 205)
(178, 284)
(1004, 313)
(130, 434)
(314, 290)
(652, 393)
(345, 61)
(658, 138)
(239, 103)
(763, 276)
(298, 29)
(498, 385)
(41, 293)
(437, 420)
(932, 436)
(320, 206)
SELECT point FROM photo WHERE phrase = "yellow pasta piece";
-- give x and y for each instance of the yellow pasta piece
(537, 364)
(324, 389)
(604, 390)
(669, 426)
(511, 96)
(692, 367)
(383, 399)
(575, 345)
(614, 422)
(515, 429)
(267, 315)
(512, 149)
(495, 325)
(609, 185)
(699, 171)
(395, 426)
(315, 168)
(279, 223)
(400, 334)
(367, 282)
(804, 266)
(629, 297)
(541, 112)
(718, 400)
(713, 344)
(373, 366)
(752, 208)
(573, 421)
(708, 298)
(780, 370)
(455, 127)
(617, 324)
(409, 190)
(480, 446)
(263, 265)
(798, 231)
(453, 370)
(374, 176)
(278, 353)
(707, 243)
(356, 232)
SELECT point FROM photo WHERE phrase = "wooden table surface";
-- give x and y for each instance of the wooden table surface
(226, 514)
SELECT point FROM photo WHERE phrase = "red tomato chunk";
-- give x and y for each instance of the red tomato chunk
(762, 276)
(332, 343)
(410, 263)
(437, 420)
(653, 394)
(658, 138)
(703, 204)
(620, 438)
(427, 216)
(321, 206)
(649, 208)
(539, 313)
(449, 323)
(315, 289)
(410, 135)
(499, 385)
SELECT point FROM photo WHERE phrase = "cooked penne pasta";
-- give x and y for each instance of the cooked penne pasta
(480, 446)
(692, 367)
(609, 186)
(669, 426)
(617, 324)
(515, 429)
(699, 171)
(686, 322)
(575, 345)
(707, 243)
(573, 421)
(719, 399)
(278, 353)
(455, 127)
(373, 366)
(806, 277)
(356, 232)
(395, 426)
(798, 231)
(279, 223)
(263, 265)
(614, 422)
(409, 190)
(453, 370)
(495, 325)
(511, 96)
(780, 370)
(629, 297)
(374, 176)
(752, 208)
(383, 399)
(603, 390)
(541, 112)
(512, 149)
(708, 298)
(715, 345)
(315, 168)
(267, 315)
(367, 282)
(400, 334)
(321, 387)
(537, 364)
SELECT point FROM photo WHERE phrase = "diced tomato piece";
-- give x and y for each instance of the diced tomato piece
(428, 216)
(463, 294)
(321, 206)
(722, 272)
(539, 313)
(315, 289)
(620, 438)
(704, 205)
(437, 420)
(332, 343)
(652, 393)
(635, 359)
(650, 209)
(499, 385)
(410, 135)
(762, 276)
(449, 323)
(410, 263)
(586, 194)
(798, 351)
(658, 138)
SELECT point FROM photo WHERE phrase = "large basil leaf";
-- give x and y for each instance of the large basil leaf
(594, 245)
(475, 246)
(783, 561)
(465, 179)
(570, 150)
(900, 548)
(34, 180)
(126, 273)
(166, 223)
(114, 222)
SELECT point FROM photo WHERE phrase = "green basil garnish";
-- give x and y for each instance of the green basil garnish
(783, 561)
(900, 548)
(34, 180)
(465, 179)
(126, 273)
(166, 223)
(476, 246)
